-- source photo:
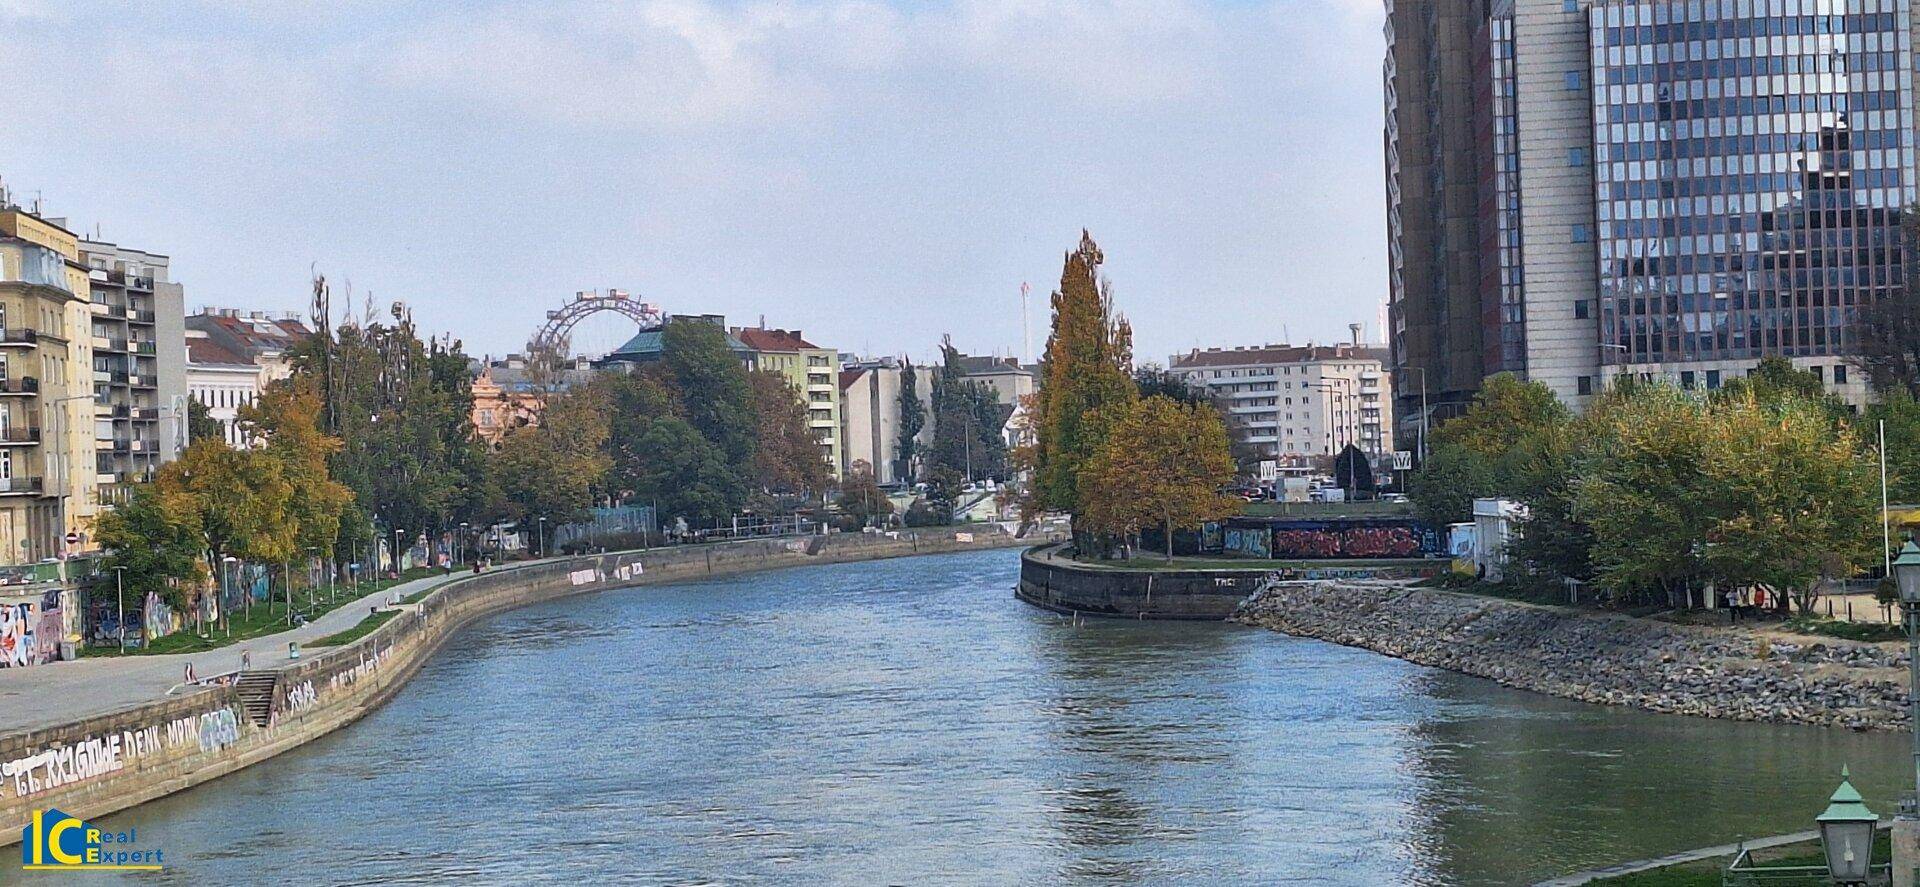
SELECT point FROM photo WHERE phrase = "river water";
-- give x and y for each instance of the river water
(909, 722)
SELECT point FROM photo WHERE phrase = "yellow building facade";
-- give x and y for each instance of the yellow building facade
(48, 485)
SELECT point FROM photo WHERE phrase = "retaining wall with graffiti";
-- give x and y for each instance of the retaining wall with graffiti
(116, 760)
(1349, 538)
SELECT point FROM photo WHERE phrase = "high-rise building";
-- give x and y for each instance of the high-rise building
(139, 364)
(1293, 402)
(1666, 188)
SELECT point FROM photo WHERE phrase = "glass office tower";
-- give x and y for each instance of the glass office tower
(1750, 157)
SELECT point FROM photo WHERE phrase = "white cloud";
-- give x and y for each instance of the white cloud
(681, 63)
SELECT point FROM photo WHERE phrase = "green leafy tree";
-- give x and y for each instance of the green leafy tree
(1353, 473)
(1901, 413)
(634, 401)
(156, 540)
(201, 425)
(687, 475)
(861, 500)
(1793, 500)
(966, 422)
(1647, 498)
(1776, 380)
(1162, 462)
(715, 395)
(551, 470)
(913, 418)
(1886, 330)
(285, 420)
(1468, 453)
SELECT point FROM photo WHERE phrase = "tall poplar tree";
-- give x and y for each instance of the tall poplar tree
(1088, 358)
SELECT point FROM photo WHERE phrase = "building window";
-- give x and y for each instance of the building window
(1686, 379)
(1574, 80)
(1819, 373)
(1584, 385)
(1577, 156)
(1582, 234)
(1713, 379)
(1840, 374)
(1580, 309)
(1571, 6)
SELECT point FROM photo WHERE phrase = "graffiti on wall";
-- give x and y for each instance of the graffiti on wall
(1248, 541)
(1400, 541)
(51, 768)
(19, 630)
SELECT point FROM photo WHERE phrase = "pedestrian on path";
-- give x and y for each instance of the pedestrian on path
(1733, 605)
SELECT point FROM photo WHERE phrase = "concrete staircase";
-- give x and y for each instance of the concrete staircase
(256, 694)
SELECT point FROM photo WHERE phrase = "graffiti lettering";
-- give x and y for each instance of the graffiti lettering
(56, 767)
(302, 697)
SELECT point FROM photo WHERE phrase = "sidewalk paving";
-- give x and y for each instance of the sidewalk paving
(60, 692)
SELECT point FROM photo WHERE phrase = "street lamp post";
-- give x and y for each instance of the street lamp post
(541, 531)
(1906, 573)
(397, 533)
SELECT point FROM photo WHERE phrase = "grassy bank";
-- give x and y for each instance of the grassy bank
(265, 618)
(357, 632)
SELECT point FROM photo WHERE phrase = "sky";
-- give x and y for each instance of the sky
(875, 174)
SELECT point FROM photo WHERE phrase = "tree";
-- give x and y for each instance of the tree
(860, 498)
(1153, 379)
(966, 422)
(715, 395)
(201, 425)
(551, 470)
(1353, 473)
(1901, 413)
(155, 539)
(1468, 453)
(1793, 501)
(1775, 380)
(935, 507)
(633, 401)
(786, 457)
(1647, 498)
(686, 474)
(1089, 352)
(285, 420)
(913, 418)
(1163, 463)
(1886, 330)
(241, 500)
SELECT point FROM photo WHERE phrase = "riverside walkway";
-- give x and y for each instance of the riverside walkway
(63, 692)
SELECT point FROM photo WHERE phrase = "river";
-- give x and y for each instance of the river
(908, 721)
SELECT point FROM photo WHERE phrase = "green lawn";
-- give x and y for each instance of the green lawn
(269, 617)
(1708, 872)
(357, 632)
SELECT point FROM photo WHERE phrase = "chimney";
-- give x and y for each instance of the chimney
(1355, 329)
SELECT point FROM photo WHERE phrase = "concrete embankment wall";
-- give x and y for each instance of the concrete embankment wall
(1050, 580)
(109, 762)
(1720, 672)
(1062, 586)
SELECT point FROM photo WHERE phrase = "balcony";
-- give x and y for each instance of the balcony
(102, 343)
(140, 282)
(140, 315)
(19, 337)
(20, 486)
(141, 446)
(147, 413)
(143, 348)
(19, 436)
(139, 381)
(22, 385)
(103, 309)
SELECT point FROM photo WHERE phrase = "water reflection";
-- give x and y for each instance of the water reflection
(909, 722)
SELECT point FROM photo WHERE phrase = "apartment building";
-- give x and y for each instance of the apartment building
(1294, 402)
(139, 364)
(48, 486)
